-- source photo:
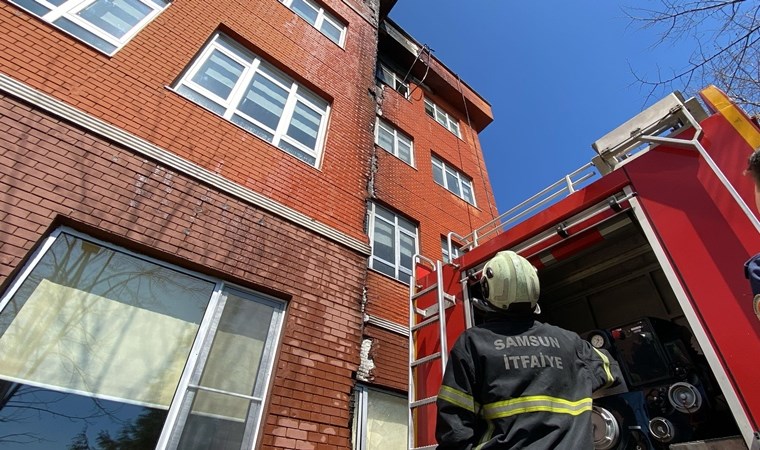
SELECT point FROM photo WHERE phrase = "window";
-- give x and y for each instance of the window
(380, 420)
(319, 18)
(456, 250)
(245, 90)
(442, 117)
(104, 24)
(396, 142)
(394, 243)
(102, 346)
(390, 78)
(453, 180)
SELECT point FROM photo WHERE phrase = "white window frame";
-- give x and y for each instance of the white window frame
(442, 117)
(253, 65)
(398, 136)
(322, 16)
(398, 230)
(360, 434)
(387, 76)
(202, 343)
(462, 179)
(70, 8)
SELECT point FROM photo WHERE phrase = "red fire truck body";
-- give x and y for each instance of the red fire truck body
(649, 259)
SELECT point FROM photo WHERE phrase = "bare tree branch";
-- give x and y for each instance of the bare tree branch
(726, 34)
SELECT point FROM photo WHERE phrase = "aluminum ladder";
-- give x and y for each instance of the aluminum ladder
(421, 318)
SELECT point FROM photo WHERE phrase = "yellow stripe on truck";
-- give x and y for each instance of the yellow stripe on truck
(722, 104)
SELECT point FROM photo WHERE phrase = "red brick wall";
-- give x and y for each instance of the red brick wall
(129, 91)
(390, 356)
(412, 191)
(53, 173)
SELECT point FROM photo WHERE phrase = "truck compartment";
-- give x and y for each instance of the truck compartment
(615, 293)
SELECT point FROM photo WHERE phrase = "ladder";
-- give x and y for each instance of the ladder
(424, 317)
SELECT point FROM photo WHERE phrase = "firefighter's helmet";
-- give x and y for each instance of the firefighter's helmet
(509, 279)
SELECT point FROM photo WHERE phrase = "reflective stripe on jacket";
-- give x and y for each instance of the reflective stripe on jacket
(520, 384)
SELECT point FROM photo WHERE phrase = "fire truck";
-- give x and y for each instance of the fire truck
(642, 253)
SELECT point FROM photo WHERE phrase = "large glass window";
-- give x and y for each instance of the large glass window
(453, 180)
(394, 243)
(442, 117)
(380, 420)
(239, 86)
(322, 20)
(101, 348)
(396, 142)
(104, 24)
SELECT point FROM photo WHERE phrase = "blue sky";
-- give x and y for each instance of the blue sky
(558, 75)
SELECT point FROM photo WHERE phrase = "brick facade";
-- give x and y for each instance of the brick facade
(130, 90)
(61, 175)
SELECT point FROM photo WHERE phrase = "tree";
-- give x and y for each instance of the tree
(727, 38)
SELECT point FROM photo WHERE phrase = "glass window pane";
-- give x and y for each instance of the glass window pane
(385, 214)
(51, 419)
(84, 325)
(384, 245)
(407, 251)
(467, 192)
(440, 117)
(115, 17)
(304, 126)
(405, 151)
(454, 127)
(305, 10)
(407, 225)
(203, 432)
(264, 101)
(297, 152)
(404, 277)
(445, 250)
(438, 174)
(429, 108)
(387, 422)
(385, 138)
(218, 74)
(34, 7)
(201, 99)
(252, 127)
(385, 268)
(452, 182)
(403, 89)
(331, 30)
(217, 420)
(385, 75)
(87, 36)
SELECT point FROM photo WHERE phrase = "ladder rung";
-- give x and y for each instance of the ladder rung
(419, 294)
(425, 322)
(425, 359)
(423, 402)
(448, 301)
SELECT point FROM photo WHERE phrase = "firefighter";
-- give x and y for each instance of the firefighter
(513, 382)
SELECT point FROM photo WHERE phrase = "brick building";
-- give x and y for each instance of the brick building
(209, 212)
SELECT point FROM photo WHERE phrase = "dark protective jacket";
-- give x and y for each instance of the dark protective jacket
(520, 384)
(752, 273)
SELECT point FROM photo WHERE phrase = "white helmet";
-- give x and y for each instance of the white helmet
(507, 279)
